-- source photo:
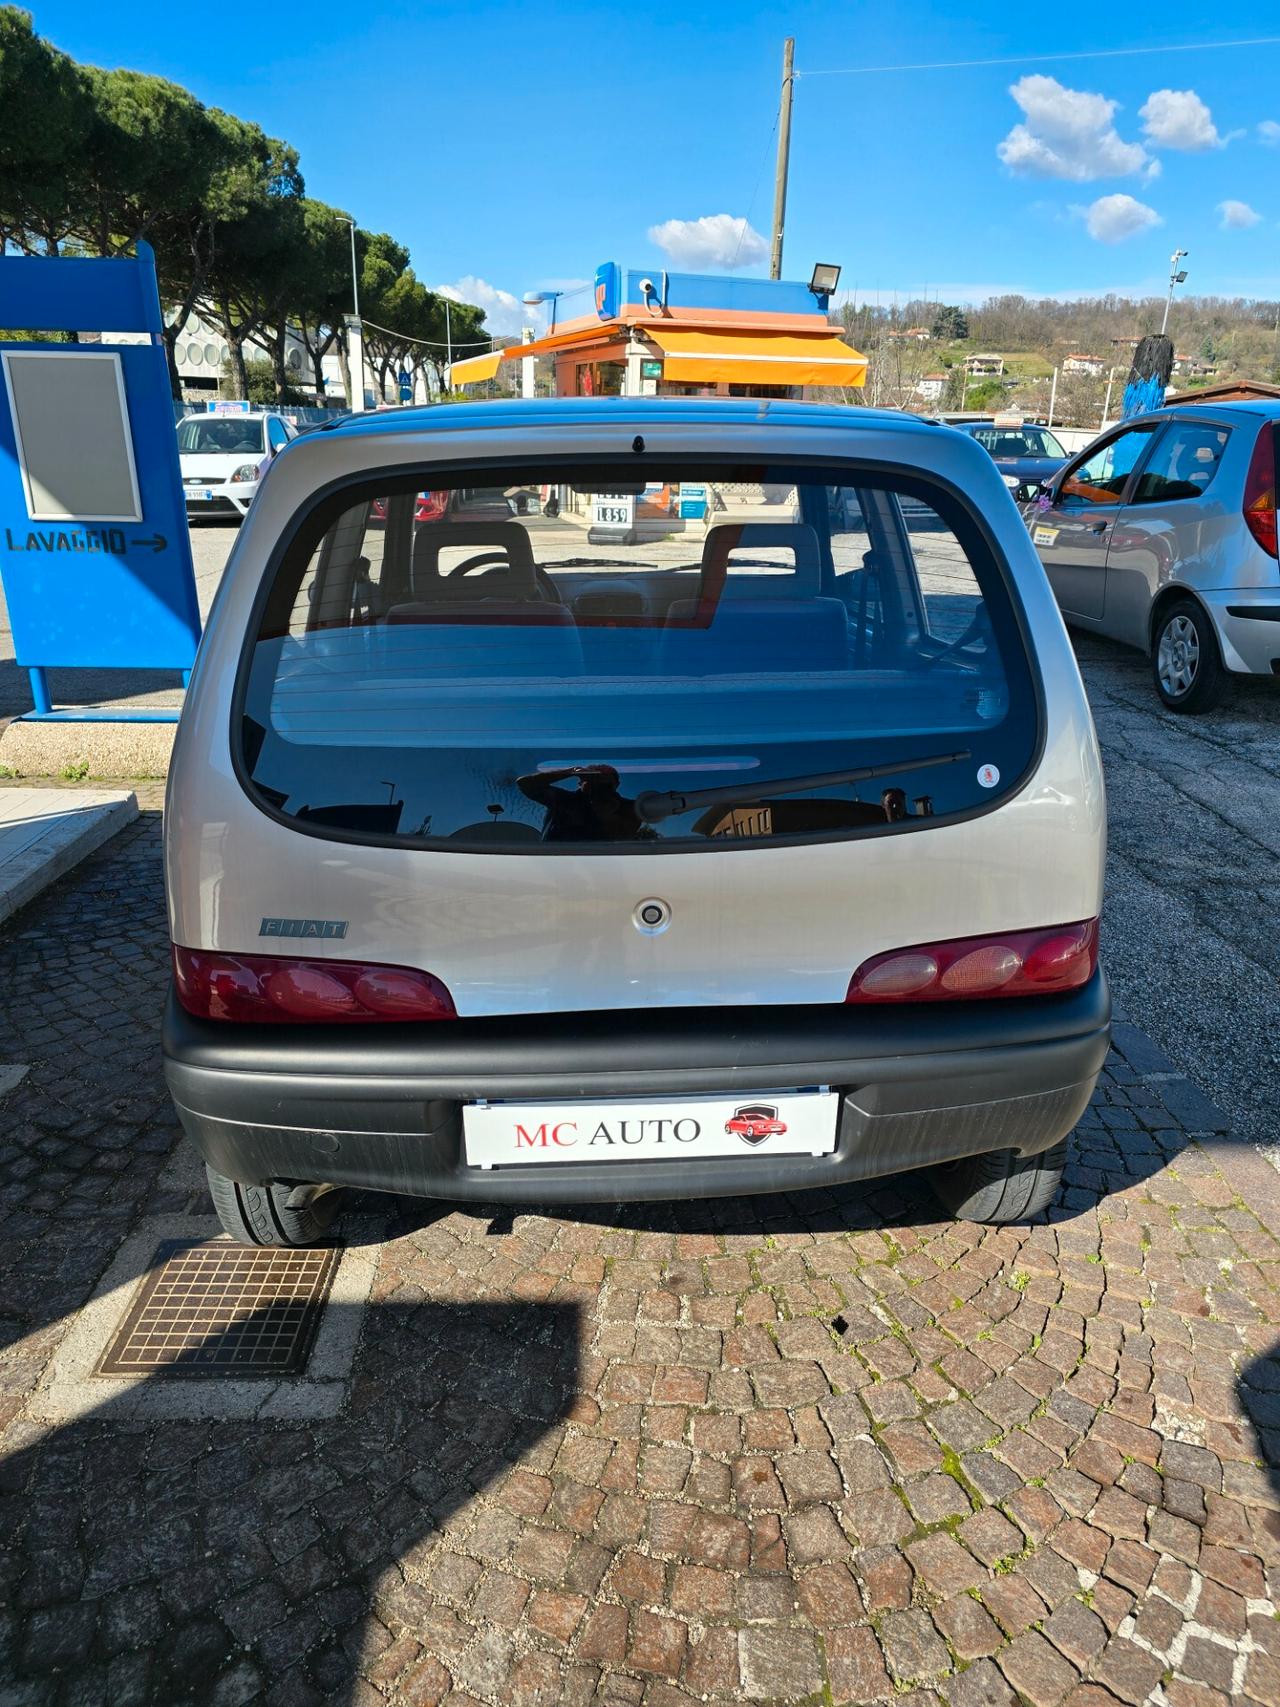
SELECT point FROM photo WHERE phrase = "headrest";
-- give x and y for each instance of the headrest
(797, 537)
(473, 538)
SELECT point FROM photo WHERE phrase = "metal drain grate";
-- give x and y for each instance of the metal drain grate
(223, 1309)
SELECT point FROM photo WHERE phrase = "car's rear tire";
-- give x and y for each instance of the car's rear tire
(263, 1214)
(1001, 1185)
(1185, 661)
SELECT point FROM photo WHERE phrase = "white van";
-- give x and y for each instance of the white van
(623, 848)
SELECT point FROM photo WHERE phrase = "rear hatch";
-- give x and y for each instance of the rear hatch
(591, 741)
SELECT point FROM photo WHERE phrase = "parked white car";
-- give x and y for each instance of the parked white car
(223, 457)
(503, 866)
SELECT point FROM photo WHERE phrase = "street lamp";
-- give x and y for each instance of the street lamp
(1175, 278)
(535, 299)
(355, 279)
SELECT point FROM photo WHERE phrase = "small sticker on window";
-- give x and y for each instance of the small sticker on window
(988, 776)
(1044, 536)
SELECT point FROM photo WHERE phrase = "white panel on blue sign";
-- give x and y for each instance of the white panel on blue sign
(71, 427)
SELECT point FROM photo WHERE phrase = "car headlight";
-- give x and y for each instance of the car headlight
(1012, 481)
(246, 471)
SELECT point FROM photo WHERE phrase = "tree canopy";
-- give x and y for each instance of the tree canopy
(92, 161)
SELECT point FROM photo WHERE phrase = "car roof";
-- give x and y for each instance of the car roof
(662, 411)
(1261, 408)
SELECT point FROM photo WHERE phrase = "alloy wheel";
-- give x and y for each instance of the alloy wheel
(1178, 658)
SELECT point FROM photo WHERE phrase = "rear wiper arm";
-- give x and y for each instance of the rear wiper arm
(653, 806)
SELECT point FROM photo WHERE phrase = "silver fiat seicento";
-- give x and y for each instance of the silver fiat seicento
(702, 800)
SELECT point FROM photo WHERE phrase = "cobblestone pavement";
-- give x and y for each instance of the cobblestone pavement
(826, 1447)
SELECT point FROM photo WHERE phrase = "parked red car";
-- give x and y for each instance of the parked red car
(428, 507)
(755, 1121)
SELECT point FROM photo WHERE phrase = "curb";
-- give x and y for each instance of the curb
(121, 749)
(44, 832)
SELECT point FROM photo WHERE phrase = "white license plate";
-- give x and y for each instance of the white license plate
(771, 1123)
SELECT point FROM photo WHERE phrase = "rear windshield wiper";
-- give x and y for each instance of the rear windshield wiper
(653, 805)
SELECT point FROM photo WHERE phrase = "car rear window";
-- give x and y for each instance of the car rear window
(563, 656)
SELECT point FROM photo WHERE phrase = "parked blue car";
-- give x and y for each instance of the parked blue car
(1024, 453)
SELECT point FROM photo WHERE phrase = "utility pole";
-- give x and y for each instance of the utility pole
(1106, 405)
(784, 157)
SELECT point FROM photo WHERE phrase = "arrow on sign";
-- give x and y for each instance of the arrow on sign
(157, 542)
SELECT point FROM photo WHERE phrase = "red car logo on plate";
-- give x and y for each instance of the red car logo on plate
(755, 1121)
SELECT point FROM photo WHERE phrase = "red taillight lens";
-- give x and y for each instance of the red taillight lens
(269, 989)
(1260, 490)
(1011, 963)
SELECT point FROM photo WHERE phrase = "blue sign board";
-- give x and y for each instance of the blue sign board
(94, 550)
(607, 282)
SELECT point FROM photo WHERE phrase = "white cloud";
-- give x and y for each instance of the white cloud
(1269, 132)
(715, 240)
(1067, 133)
(1113, 218)
(503, 313)
(1238, 216)
(1178, 118)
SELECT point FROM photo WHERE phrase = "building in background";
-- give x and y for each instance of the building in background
(660, 334)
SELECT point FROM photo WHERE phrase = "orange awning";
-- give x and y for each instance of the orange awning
(475, 368)
(757, 358)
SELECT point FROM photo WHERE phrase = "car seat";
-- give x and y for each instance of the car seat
(756, 622)
(484, 620)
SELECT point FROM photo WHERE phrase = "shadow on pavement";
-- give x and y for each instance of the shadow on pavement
(151, 1561)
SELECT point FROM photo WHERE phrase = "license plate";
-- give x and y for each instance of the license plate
(208, 495)
(776, 1123)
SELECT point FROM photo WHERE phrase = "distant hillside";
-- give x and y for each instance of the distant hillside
(918, 350)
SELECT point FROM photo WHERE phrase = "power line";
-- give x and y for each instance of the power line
(435, 343)
(764, 160)
(1033, 59)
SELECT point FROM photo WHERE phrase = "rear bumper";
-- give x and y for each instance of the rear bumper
(1248, 624)
(380, 1107)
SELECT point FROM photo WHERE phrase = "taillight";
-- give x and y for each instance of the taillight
(269, 989)
(1010, 963)
(1260, 490)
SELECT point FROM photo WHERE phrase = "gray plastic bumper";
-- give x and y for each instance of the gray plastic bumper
(381, 1106)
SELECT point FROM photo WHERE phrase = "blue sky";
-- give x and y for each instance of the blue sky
(514, 147)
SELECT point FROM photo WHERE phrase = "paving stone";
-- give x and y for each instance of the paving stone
(1128, 1670)
(912, 1646)
(990, 1536)
(943, 1567)
(1037, 1670)
(981, 1685)
(855, 1667)
(1077, 1632)
(779, 1664)
(968, 1627)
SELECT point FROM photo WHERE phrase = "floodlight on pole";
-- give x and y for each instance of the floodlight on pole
(1175, 278)
(825, 279)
